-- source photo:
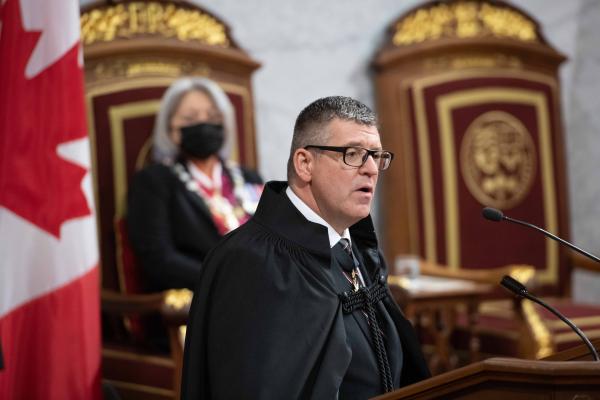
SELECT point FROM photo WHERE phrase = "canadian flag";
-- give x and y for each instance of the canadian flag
(49, 290)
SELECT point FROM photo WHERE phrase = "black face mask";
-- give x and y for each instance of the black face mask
(202, 140)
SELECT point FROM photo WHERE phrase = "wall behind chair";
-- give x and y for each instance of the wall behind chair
(313, 48)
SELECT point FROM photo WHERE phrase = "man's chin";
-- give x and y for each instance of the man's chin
(362, 213)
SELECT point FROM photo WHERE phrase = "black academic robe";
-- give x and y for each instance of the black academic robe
(363, 379)
(266, 320)
(170, 227)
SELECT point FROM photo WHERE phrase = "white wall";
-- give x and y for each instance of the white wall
(582, 102)
(315, 48)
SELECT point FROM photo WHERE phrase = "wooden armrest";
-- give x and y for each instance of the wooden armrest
(131, 304)
(582, 262)
(173, 305)
(521, 272)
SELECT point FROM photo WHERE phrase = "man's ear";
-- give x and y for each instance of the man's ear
(304, 164)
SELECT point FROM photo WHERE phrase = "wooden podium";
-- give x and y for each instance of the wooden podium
(565, 375)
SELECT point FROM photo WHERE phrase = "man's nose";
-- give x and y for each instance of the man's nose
(370, 166)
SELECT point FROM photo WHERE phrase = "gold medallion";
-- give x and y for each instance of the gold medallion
(498, 160)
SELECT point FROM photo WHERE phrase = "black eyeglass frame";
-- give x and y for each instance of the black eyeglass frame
(344, 149)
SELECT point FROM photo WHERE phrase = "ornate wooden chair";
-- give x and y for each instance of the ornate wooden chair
(133, 50)
(469, 99)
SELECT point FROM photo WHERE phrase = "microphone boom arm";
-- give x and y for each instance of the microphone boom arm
(550, 235)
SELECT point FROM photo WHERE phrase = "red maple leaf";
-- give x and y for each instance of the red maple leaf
(36, 115)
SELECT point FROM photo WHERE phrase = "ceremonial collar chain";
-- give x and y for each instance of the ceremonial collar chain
(240, 193)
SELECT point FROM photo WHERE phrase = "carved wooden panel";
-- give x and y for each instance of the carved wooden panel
(469, 100)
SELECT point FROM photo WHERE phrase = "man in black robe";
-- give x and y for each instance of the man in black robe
(295, 304)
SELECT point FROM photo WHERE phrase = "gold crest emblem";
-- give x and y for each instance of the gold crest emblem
(498, 160)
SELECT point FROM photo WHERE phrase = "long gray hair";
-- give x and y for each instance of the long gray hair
(164, 150)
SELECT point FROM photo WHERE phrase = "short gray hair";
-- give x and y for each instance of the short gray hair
(164, 150)
(312, 121)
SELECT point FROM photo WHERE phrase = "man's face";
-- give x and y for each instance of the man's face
(343, 193)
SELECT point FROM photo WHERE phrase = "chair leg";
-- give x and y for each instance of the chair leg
(176, 341)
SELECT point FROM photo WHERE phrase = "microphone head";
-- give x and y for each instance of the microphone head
(513, 285)
(492, 214)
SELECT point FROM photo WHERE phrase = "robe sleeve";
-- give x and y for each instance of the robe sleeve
(265, 323)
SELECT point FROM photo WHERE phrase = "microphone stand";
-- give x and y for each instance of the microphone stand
(520, 290)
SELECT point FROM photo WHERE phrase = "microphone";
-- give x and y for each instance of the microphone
(520, 290)
(496, 215)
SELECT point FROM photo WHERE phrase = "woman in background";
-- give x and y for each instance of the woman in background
(180, 206)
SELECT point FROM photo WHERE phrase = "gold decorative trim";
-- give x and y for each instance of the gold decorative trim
(139, 66)
(581, 322)
(471, 60)
(409, 162)
(540, 332)
(397, 280)
(117, 115)
(135, 19)
(95, 87)
(426, 174)
(182, 332)
(572, 336)
(450, 184)
(178, 298)
(523, 273)
(498, 159)
(463, 20)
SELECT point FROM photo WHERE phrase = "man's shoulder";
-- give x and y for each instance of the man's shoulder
(249, 240)
(255, 246)
(256, 263)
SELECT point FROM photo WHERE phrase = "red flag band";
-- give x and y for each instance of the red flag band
(49, 300)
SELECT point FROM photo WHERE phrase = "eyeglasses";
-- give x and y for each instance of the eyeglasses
(357, 156)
